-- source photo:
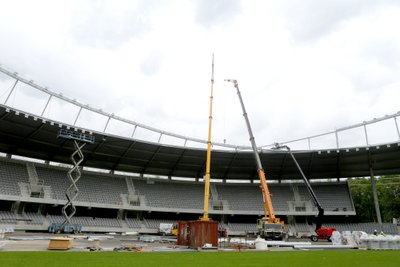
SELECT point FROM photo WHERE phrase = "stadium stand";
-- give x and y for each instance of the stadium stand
(333, 197)
(242, 227)
(93, 188)
(101, 188)
(302, 227)
(133, 223)
(104, 190)
(7, 217)
(167, 194)
(12, 174)
(155, 223)
(56, 179)
(87, 221)
(243, 197)
(33, 218)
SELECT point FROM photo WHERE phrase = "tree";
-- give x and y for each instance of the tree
(388, 189)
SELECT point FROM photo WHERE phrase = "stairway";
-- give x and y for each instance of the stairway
(130, 186)
(33, 176)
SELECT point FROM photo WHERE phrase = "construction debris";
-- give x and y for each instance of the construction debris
(130, 248)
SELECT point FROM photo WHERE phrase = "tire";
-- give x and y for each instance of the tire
(314, 238)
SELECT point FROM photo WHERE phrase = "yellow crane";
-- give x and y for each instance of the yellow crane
(208, 160)
(269, 226)
(203, 231)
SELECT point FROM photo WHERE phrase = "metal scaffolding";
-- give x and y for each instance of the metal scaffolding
(74, 174)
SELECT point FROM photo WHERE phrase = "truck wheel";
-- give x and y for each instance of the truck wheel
(314, 238)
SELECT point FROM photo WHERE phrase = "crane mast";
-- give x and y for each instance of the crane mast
(208, 160)
(268, 208)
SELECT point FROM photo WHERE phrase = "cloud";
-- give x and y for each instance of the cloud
(211, 13)
(304, 67)
(310, 20)
(4, 77)
(151, 64)
(108, 24)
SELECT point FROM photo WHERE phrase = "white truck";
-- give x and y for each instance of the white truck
(167, 229)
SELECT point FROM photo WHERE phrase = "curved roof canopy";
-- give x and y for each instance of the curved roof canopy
(36, 137)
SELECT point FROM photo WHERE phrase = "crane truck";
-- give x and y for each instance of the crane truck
(269, 227)
(321, 232)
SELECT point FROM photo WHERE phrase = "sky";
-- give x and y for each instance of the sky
(304, 67)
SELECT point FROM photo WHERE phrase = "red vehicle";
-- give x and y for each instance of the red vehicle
(323, 234)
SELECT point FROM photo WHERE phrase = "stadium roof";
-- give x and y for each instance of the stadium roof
(32, 136)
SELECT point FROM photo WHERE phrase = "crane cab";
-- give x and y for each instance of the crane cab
(271, 230)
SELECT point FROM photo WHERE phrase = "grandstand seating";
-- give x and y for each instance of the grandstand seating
(155, 223)
(87, 221)
(105, 190)
(93, 188)
(133, 223)
(242, 227)
(333, 197)
(33, 218)
(222, 225)
(243, 197)
(11, 174)
(100, 188)
(280, 195)
(302, 227)
(171, 195)
(7, 217)
(56, 179)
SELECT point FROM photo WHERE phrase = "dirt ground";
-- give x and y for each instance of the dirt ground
(21, 241)
(83, 242)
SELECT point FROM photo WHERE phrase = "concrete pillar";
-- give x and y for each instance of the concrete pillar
(375, 196)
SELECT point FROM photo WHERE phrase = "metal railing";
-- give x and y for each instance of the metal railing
(310, 140)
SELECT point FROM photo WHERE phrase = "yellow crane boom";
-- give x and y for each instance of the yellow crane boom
(268, 208)
(208, 161)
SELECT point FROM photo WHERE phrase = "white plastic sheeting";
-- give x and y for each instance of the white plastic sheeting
(336, 238)
(261, 244)
(2, 235)
(363, 240)
(380, 242)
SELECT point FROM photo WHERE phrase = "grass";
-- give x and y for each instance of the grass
(341, 258)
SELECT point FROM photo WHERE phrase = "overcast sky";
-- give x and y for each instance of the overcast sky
(304, 66)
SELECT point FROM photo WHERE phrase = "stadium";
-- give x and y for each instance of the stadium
(133, 185)
(103, 115)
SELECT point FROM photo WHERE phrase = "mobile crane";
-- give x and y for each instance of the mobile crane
(321, 232)
(269, 227)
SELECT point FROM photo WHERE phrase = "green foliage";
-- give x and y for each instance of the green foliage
(388, 189)
(332, 258)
